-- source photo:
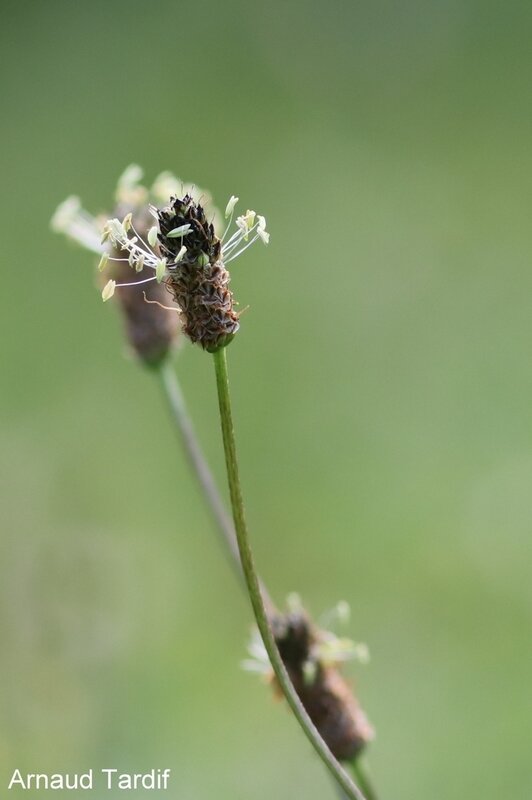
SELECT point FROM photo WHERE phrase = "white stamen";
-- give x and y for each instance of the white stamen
(73, 221)
(165, 185)
(136, 283)
(130, 176)
(117, 232)
(230, 207)
(180, 255)
(160, 269)
(180, 231)
(108, 290)
(65, 214)
(152, 236)
(264, 235)
(129, 190)
(242, 249)
(261, 229)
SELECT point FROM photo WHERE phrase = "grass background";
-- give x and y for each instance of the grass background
(382, 389)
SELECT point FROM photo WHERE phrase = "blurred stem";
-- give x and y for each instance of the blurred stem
(253, 586)
(200, 467)
(198, 462)
(363, 778)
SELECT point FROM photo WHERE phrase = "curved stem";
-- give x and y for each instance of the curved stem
(253, 586)
(200, 468)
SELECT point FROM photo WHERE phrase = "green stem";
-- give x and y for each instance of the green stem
(363, 778)
(246, 557)
(200, 467)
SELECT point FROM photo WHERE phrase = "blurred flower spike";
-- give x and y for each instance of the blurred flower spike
(313, 657)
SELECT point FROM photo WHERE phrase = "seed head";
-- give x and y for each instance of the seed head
(312, 657)
(199, 280)
(182, 252)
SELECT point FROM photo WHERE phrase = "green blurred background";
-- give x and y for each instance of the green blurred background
(381, 379)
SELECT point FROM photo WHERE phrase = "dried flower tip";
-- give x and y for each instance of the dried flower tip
(108, 290)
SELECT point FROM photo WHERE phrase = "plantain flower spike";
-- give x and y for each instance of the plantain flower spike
(183, 251)
(152, 255)
(313, 657)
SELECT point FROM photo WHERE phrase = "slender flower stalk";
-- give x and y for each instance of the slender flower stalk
(363, 779)
(224, 524)
(246, 556)
(200, 468)
(183, 260)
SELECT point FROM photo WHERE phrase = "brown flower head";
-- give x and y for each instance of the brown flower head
(197, 277)
(185, 253)
(312, 657)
